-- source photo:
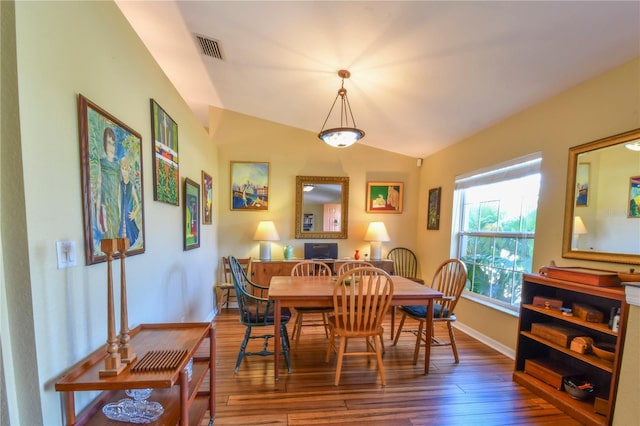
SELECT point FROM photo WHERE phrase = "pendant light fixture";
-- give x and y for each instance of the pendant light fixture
(345, 135)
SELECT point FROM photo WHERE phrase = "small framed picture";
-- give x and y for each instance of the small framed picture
(433, 211)
(164, 132)
(384, 197)
(582, 184)
(191, 211)
(249, 186)
(112, 192)
(634, 197)
(207, 199)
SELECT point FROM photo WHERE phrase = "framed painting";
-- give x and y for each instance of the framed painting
(249, 186)
(207, 199)
(433, 210)
(384, 197)
(112, 192)
(634, 197)
(191, 211)
(164, 132)
(582, 184)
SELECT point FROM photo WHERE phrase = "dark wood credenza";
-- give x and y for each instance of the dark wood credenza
(263, 270)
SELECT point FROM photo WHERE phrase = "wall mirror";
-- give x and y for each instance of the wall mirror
(322, 204)
(602, 217)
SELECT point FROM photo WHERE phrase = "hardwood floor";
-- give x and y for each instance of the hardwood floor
(479, 390)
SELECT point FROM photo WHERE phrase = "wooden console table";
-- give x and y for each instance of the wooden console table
(263, 270)
(181, 399)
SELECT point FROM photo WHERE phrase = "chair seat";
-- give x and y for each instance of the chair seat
(225, 286)
(309, 310)
(421, 311)
(259, 319)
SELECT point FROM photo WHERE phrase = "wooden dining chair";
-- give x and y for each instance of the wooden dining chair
(224, 290)
(405, 263)
(449, 279)
(256, 310)
(347, 266)
(310, 268)
(361, 298)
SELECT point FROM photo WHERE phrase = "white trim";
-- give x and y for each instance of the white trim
(494, 344)
(514, 311)
(212, 315)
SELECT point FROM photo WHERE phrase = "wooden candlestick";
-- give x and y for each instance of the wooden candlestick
(126, 351)
(112, 364)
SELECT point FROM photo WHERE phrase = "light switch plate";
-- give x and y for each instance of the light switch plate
(66, 251)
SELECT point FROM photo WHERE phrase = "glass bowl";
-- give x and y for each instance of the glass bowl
(138, 394)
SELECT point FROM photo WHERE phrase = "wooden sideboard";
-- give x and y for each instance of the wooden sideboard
(263, 270)
(183, 400)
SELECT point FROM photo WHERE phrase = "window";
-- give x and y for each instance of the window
(494, 228)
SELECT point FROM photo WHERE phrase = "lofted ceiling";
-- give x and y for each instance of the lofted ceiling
(424, 74)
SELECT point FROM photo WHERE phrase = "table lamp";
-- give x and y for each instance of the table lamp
(578, 229)
(376, 234)
(266, 233)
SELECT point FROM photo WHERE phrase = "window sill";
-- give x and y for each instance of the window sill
(489, 303)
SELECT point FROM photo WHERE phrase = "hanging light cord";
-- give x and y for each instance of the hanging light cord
(344, 118)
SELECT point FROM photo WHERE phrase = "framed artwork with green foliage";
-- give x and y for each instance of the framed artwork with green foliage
(112, 193)
(166, 177)
(433, 208)
(191, 213)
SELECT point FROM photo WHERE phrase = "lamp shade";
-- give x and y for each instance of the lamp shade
(578, 226)
(266, 232)
(377, 232)
(342, 137)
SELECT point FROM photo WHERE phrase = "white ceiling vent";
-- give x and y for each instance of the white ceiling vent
(209, 47)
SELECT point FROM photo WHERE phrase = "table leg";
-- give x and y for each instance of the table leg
(276, 340)
(212, 372)
(393, 320)
(428, 332)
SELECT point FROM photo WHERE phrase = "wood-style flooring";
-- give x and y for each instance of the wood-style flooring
(477, 391)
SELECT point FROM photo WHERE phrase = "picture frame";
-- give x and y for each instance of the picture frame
(433, 210)
(207, 198)
(112, 186)
(582, 184)
(164, 151)
(634, 197)
(191, 211)
(384, 197)
(249, 186)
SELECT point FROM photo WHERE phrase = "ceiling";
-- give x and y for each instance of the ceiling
(424, 74)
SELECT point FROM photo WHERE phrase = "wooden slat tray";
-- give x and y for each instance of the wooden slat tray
(596, 277)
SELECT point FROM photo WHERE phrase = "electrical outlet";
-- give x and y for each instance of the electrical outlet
(66, 251)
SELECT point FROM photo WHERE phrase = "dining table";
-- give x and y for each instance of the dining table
(317, 292)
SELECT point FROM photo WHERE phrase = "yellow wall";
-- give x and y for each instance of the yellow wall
(293, 152)
(603, 106)
(65, 48)
(58, 316)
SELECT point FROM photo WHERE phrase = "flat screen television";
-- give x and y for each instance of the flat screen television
(321, 251)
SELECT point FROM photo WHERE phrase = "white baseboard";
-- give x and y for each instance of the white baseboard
(212, 315)
(505, 350)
